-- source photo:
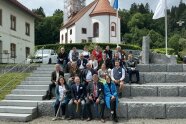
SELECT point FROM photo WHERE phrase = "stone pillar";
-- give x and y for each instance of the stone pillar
(145, 50)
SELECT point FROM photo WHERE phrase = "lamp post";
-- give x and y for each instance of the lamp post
(180, 24)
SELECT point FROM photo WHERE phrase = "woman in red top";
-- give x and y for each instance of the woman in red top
(97, 52)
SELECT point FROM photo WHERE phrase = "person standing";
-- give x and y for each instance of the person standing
(108, 53)
(95, 95)
(62, 58)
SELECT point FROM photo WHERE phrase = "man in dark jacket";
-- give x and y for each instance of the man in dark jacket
(95, 95)
(106, 61)
(62, 58)
(54, 78)
(78, 98)
(131, 69)
(108, 52)
(82, 62)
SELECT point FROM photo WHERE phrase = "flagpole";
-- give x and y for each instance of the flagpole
(166, 30)
(117, 29)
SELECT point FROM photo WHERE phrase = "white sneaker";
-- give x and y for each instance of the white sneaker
(54, 119)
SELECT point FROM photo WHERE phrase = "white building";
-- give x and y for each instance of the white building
(95, 23)
(17, 38)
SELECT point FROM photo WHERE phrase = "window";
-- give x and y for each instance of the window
(62, 37)
(27, 50)
(83, 40)
(70, 31)
(84, 31)
(27, 29)
(1, 17)
(66, 38)
(113, 29)
(96, 29)
(13, 22)
(13, 50)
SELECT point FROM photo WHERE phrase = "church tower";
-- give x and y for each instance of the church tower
(71, 7)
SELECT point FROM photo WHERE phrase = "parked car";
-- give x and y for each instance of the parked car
(45, 56)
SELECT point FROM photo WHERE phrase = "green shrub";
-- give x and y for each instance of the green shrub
(90, 46)
(162, 51)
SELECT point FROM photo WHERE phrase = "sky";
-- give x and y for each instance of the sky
(50, 6)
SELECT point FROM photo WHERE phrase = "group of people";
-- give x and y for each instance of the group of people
(95, 79)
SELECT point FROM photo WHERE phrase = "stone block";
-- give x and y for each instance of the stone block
(174, 78)
(176, 110)
(143, 67)
(154, 78)
(182, 91)
(122, 110)
(126, 91)
(143, 91)
(184, 67)
(175, 68)
(158, 68)
(146, 110)
(167, 91)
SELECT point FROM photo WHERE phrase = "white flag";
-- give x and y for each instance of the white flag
(160, 10)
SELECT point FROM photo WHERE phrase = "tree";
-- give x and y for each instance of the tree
(40, 12)
(174, 42)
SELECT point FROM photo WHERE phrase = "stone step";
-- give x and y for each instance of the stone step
(35, 82)
(162, 77)
(41, 75)
(46, 69)
(38, 79)
(42, 72)
(23, 103)
(24, 97)
(155, 89)
(33, 87)
(29, 92)
(153, 107)
(17, 109)
(138, 107)
(45, 65)
(15, 117)
(161, 68)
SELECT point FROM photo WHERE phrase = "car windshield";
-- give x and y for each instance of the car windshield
(43, 51)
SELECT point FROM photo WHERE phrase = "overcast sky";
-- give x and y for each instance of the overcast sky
(51, 5)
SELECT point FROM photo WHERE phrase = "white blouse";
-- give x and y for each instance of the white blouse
(94, 64)
(61, 92)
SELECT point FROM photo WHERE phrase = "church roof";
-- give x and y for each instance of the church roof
(103, 7)
(75, 18)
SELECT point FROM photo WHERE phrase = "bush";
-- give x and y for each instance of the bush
(90, 46)
(162, 51)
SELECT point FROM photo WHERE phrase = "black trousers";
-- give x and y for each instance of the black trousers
(51, 86)
(63, 107)
(101, 105)
(113, 108)
(136, 72)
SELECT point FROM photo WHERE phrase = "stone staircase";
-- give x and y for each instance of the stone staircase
(21, 104)
(161, 94)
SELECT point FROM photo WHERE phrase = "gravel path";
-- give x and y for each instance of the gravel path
(47, 120)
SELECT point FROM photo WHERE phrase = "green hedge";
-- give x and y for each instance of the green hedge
(90, 46)
(162, 51)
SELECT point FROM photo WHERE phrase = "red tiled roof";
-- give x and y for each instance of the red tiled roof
(103, 7)
(22, 7)
(75, 18)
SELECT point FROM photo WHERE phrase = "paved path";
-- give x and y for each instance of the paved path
(47, 120)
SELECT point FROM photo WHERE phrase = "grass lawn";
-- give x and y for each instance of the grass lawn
(12, 85)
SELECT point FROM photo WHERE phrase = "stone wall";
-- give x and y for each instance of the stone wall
(18, 68)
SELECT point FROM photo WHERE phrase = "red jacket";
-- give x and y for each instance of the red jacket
(98, 56)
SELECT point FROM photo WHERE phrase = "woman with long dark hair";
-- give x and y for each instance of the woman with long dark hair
(63, 94)
(111, 97)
